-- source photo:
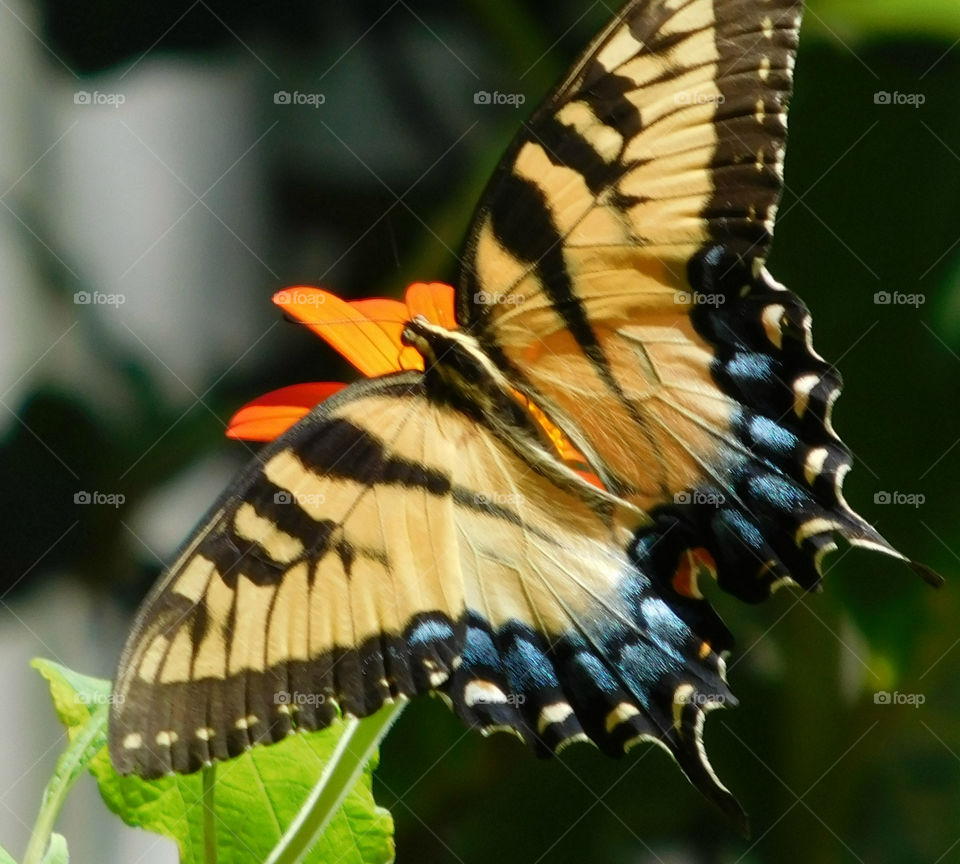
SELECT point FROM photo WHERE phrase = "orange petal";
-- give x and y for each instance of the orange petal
(391, 316)
(380, 309)
(433, 300)
(271, 415)
(347, 329)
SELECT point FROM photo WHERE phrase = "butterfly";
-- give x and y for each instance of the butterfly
(517, 508)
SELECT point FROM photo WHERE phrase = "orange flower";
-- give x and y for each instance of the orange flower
(365, 332)
(368, 334)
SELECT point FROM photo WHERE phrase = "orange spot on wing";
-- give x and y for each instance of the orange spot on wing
(274, 413)
(563, 446)
(591, 478)
(694, 563)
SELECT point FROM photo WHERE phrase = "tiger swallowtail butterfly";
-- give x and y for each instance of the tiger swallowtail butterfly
(617, 401)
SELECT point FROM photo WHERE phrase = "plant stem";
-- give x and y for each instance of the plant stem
(71, 765)
(354, 750)
(209, 815)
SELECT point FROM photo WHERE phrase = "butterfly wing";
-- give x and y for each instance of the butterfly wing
(615, 269)
(390, 545)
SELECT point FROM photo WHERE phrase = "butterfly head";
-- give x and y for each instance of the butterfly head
(453, 357)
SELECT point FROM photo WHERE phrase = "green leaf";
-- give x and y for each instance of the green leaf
(57, 851)
(75, 696)
(256, 795)
(6, 857)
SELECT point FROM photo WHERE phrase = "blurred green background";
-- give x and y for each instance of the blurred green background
(200, 193)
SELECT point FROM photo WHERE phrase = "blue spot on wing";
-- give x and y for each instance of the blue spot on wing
(591, 669)
(778, 492)
(528, 668)
(750, 367)
(772, 437)
(430, 631)
(731, 526)
(480, 650)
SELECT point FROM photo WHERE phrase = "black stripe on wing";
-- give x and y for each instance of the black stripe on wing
(757, 43)
(522, 223)
(218, 718)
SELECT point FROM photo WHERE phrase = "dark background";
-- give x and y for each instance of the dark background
(373, 189)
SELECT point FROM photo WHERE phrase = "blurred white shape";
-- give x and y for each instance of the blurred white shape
(156, 197)
(168, 516)
(21, 144)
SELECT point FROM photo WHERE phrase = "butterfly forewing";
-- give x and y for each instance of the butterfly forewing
(390, 545)
(577, 266)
